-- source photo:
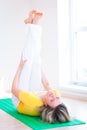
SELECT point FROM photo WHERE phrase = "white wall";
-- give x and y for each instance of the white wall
(12, 36)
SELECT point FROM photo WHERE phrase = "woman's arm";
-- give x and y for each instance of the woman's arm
(15, 83)
(45, 82)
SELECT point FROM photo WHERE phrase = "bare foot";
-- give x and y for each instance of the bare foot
(30, 17)
(37, 17)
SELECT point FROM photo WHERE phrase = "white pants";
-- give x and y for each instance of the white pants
(30, 78)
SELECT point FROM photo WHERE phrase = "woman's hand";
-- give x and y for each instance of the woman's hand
(45, 82)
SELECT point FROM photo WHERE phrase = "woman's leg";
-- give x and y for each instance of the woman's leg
(33, 36)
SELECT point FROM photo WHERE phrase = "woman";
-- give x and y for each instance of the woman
(46, 103)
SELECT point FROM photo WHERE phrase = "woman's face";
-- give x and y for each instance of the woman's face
(52, 99)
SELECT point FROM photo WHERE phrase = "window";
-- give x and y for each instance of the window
(72, 45)
(79, 41)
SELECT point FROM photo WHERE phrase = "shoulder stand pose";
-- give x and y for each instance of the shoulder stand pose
(47, 103)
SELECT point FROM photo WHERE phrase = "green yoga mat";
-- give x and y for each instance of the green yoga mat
(33, 122)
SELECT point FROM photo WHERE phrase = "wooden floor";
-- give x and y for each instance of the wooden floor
(77, 109)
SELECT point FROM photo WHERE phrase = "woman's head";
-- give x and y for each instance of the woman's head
(55, 115)
(51, 99)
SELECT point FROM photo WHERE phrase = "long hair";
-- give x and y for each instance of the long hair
(54, 115)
